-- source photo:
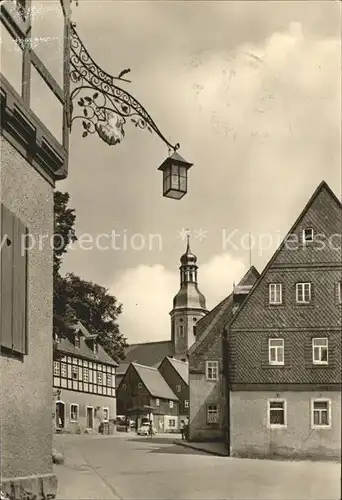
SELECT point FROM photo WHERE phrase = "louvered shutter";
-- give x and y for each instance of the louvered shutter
(13, 283)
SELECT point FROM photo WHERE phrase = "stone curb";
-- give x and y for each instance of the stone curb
(200, 448)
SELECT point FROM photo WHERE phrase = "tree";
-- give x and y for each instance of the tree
(98, 311)
(76, 299)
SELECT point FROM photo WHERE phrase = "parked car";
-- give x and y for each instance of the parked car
(144, 430)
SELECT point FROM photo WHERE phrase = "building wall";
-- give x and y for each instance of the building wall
(250, 435)
(202, 393)
(84, 400)
(26, 431)
(175, 381)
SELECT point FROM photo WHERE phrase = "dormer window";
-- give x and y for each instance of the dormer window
(57, 338)
(77, 341)
(95, 347)
(308, 235)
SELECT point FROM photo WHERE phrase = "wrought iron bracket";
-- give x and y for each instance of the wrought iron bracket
(104, 108)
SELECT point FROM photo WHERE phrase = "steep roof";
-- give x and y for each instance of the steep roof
(218, 313)
(181, 367)
(154, 382)
(321, 187)
(148, 353)
(84, 351)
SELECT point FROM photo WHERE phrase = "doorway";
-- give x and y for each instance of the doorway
(90, 417)
(60, 415)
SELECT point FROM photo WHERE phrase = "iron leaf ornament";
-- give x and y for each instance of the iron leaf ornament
(103, 107)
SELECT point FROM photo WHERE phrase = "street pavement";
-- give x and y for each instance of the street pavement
(130, 467)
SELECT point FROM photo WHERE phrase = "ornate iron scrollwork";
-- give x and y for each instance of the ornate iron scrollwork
(105, 107)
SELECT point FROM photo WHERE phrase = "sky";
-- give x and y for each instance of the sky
(252, 92)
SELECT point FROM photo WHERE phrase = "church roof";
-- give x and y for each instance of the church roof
(148, 353)
(154, 382)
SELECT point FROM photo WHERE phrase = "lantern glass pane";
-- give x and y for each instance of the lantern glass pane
(167, 182)
(182, 184)
(175, 181)
(46, 105)
(47, 38)
(182, 171)
(175, 170)
(11, 57)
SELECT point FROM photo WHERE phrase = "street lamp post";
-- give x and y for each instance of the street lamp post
(104, 109)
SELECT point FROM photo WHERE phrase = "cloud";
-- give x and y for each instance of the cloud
(146, 293)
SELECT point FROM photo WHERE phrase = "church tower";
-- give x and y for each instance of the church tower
(188, 306)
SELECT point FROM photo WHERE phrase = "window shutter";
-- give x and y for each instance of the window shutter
(19, 322)
(13, 283)
(6, 277)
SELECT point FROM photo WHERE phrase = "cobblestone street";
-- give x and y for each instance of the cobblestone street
(130, 467)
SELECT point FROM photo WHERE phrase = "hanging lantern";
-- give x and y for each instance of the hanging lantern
(175, 176)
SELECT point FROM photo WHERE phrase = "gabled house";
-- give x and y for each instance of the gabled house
(84, 382)
(282, 349)
(142, 393)
(176, 375)
(206, 379)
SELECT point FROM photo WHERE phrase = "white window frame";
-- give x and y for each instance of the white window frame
(186, 404)
(178, 388)
(210, 412)
(276, 348)
(304, 239)
(339, 292)
(212, 365)
(64, 373)
(105, 408)
(319, 347)
(74, 370)
(320, 400)
(276, 426)
(157, 402)
(173, 424)
(77, 412)
(301, 286)
(170, 404)
(99, 378)
(275, 290)
(85, 375)
(56, 369)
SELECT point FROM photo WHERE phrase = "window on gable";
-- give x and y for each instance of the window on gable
(211, 370)
(308, 235)
(320, 351)
(186, 404)
(321, 414)
(276, 351)
(178, 388)
(275, 295)
(157, 402)
(276, 413)
(13, 282)
(170, 404)
(303, 293)
(73, 413)
(212, 414)
(95, 348)
(77, 341)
